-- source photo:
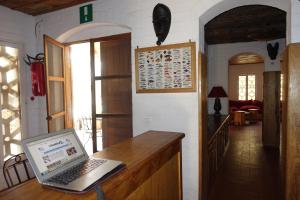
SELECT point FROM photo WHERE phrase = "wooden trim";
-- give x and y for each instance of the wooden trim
(94, 125)
(113, 115)
(57, 115)
(112, 77)
(53, 41)
(56, 78)
(192, 45)
(46, 40)
(68, 89)
(76, 42)
(124, 36)
(180, 171)
(202, 123)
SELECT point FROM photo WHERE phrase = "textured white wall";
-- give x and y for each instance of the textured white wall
(169, 112)
(295, 21)
(218, 57)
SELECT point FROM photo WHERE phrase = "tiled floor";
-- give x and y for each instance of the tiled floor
(249, 172)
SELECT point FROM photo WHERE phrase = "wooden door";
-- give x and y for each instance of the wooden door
(58, 85)
(271, 114)
(111, 89)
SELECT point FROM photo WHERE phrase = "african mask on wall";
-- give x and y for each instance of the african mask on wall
(161, 22)
(273, 50)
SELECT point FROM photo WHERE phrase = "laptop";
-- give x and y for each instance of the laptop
(59, 160)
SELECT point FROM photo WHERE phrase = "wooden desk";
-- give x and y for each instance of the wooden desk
(153, 171)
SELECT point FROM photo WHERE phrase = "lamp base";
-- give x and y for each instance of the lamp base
(217, 106)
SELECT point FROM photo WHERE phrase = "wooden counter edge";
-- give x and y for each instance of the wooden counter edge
(123, 184)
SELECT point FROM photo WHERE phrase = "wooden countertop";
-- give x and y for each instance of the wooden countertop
(143, 155)
(214, 123)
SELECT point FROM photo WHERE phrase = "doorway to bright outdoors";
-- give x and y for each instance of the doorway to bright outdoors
(81, 95)
(101, 91)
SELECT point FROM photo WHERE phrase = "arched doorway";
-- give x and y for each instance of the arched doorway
(98, 60)
(228, 33)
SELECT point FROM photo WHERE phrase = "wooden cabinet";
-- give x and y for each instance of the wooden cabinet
(217, 142)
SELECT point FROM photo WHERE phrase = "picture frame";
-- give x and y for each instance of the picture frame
(166, 69)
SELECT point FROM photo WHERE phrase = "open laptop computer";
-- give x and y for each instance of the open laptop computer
(59, 160)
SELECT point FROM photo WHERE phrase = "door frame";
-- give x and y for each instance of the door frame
(202, 124)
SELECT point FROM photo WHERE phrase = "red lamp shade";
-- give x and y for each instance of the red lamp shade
(217, 91)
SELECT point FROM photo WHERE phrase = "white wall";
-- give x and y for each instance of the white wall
(176, 112)
(169, 112)
(218, 57)
(295, 21)
(17, 30)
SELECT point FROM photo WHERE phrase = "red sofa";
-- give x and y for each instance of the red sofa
(245, 105)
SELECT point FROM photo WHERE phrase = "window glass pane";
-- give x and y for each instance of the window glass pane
(55, 62)
(56, 94)
(242, 87)
(97, 57)
(98, 97)
(251, 87)
(57, 124)
(99, 137)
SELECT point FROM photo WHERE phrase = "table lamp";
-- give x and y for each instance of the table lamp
(217, 92)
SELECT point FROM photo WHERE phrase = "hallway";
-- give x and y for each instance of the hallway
(250, 172)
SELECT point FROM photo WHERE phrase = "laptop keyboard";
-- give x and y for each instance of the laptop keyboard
(75, 172)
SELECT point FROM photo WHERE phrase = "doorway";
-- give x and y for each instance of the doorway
(239, 30)
(101, 90)
(80, 60)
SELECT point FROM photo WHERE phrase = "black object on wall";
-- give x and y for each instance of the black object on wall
(161, 21)
(273, 50)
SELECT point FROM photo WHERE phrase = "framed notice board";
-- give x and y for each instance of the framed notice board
(166, 69)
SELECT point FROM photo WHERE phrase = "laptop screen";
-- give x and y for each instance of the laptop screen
(53, 152)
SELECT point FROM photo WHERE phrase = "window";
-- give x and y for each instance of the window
(247, 87)
(10, 115)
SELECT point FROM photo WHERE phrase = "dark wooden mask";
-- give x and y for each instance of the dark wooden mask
(161, 22)
(273, 50)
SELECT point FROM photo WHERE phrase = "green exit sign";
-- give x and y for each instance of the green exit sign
(86, 13)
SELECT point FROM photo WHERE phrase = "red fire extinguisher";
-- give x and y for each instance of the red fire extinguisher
(38, 78)
(37, 69)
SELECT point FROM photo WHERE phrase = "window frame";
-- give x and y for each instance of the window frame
(238, 88)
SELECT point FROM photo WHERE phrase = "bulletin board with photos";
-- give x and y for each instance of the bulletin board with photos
(166, 68)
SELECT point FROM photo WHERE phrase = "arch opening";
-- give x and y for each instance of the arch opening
(93, 30)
